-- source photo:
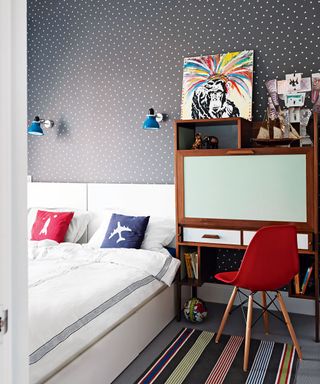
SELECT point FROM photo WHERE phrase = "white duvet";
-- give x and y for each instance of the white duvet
(77, 294)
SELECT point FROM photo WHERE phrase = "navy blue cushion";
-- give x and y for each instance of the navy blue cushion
(125, 231)
(172, 251)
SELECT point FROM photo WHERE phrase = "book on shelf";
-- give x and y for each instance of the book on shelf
(297, 284)
(194, 263)
(187, 259)
(306, 280)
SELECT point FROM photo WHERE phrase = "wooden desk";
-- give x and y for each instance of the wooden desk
(224, 195)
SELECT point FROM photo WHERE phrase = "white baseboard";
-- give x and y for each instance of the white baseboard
(218, 293)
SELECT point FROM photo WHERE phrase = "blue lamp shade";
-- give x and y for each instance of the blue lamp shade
(151, 121)
(35, 128)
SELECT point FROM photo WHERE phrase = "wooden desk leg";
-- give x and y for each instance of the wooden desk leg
(316, 302)
(248, 334)
(317, 319)
(289, 325)
(265, 315)
(226, 313)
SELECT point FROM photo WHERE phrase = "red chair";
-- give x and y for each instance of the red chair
(270, 262)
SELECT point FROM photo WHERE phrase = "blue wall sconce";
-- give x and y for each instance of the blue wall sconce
(35, 127)
(152, 120)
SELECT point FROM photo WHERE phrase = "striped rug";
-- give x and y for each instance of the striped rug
(193, 357)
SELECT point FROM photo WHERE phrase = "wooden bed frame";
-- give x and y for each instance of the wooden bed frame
(108, 357)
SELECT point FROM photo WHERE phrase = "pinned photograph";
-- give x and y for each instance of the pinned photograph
(272, 90)
(315, 81)
(272, 112)
(315, 88)
(305, 86)
(294, 99)
(294, 115)
(218, 86)
(293, 82)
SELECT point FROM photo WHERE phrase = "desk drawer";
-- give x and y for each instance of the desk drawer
(303, 239)
(214, 236)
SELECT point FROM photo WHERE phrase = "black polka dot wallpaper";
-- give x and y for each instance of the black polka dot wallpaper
(95, 67)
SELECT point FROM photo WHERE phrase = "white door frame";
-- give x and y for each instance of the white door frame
(13, 177)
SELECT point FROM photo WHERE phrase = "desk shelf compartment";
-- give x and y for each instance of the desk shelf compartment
(232, 133)
(306, 261)
(192, 253)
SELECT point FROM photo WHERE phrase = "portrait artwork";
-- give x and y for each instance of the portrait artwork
(218, 86)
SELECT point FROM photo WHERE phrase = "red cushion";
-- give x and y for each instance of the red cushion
(226, 277)
(51, 225)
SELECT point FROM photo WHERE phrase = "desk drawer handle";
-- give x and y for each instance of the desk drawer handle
(206, 236)
(243, 152)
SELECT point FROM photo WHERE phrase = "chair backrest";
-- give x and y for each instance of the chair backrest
(271, 259)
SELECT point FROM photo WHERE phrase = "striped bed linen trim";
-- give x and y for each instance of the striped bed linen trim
(194, 357)
(164, 268)
(47, 347)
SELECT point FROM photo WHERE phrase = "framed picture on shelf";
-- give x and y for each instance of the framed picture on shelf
(218, 86)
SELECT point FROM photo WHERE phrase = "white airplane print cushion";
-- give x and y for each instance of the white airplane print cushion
(125, 231)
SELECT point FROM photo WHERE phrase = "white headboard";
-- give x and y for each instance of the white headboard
(145, 199)
(57, 195)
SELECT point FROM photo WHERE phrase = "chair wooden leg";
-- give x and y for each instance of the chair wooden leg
(248, 334)
(289, 325)
(265, 315)
(226, 313)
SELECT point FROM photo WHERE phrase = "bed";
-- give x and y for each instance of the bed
(96, 340)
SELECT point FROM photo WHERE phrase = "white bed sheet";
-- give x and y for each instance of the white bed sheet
(78, 294)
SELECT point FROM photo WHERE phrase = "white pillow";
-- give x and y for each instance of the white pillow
(159, 233)
(76, 228)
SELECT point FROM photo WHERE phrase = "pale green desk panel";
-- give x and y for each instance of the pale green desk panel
(258, 187)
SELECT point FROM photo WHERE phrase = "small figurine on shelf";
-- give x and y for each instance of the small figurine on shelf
(197, 141)
(210, 142)
(276, 128)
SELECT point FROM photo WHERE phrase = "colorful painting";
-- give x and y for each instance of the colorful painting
(218, 86)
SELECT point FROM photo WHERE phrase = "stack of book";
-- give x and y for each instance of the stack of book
(302, 290)
(191, 261)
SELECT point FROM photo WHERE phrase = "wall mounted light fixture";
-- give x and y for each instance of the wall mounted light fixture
(35, 127)
(152, 120)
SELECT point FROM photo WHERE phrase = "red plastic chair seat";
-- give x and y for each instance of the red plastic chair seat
(226, 277)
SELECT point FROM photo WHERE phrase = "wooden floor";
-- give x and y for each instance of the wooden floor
(309, 368)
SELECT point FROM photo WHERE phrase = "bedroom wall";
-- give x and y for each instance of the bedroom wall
(95, 67)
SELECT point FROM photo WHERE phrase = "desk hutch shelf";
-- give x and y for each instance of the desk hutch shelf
(224, 195)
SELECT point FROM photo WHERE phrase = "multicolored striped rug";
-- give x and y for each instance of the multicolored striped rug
(193, 357)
